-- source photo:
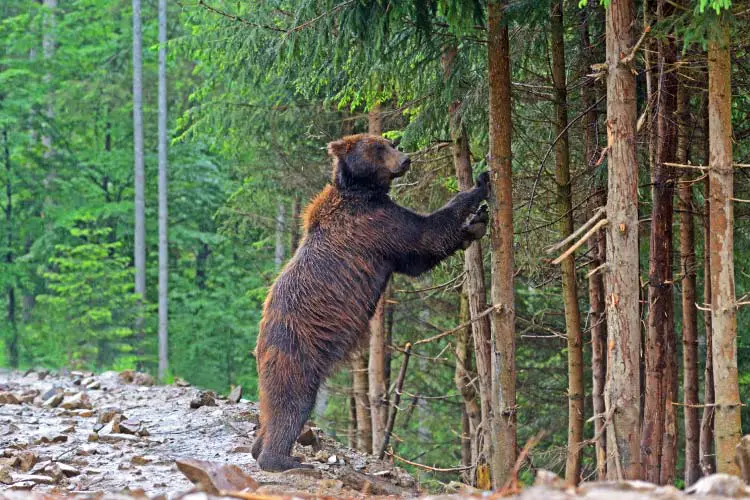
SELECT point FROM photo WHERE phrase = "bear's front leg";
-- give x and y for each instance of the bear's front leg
(476, 226)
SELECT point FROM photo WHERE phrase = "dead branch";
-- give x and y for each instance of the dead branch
(396, 400)
(580, 242)
(572, 236)
(427, 467)
(459, 327)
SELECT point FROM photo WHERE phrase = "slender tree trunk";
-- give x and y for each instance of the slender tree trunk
(622, 393)
(352, 430)
(12, 343)
(569, 284)
(689, 311)
(294, 226)
(503, 415)
(49, 40)
(706, 445)
(360, 392)
(597, 248)
(723, 309)
(278, 260)
(471, 414)
(659, 351)
(163, 207)
(378, 348)
(140, 180)
(475, 288)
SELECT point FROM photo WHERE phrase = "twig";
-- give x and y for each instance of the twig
(511, 486)
(238, 19)
(396, 400)
(596, 270)
(580, 242)
(326, 13)
(427, 467)
(459, 327)
(597, 214)
(629, 58)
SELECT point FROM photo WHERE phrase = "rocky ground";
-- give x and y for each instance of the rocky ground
(119, 437)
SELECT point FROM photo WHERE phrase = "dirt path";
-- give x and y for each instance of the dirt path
(51, 443)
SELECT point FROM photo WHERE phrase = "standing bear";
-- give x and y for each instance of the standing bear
(318, 310)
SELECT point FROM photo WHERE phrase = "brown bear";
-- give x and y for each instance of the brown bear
(317, 312)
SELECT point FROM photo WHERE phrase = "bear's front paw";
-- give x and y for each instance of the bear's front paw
(476, 226)
(483, 184)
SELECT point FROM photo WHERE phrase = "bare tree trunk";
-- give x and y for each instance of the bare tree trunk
(12, 344)
(622, 394)
(723, 309)
(377, 385)
(471, 414)
(659, 351)
(569, 284)
(689, 311)
(140, 180)
(503, 415)
(475, 288)
(280, 227)
(49, 40)
(597, 248)
(359, 389)
(294, 226)
(163, 196)
(706, 445)
(352, 431)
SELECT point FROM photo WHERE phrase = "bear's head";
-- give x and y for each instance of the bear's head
(366, 163)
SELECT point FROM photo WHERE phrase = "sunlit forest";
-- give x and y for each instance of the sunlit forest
(156, 159)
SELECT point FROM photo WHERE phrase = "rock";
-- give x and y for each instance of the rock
(322, 456)
(241, 449)
(113, 427)
(33, 479)
(26, 460)
(9, 461)
(69, 430)
(368, 485)
(93, 386)
(140, 460)
(51, 392)
(5, 476)
(76, 402)
(332, 459)
(93, 437)
(181, 382)
(205, 398)
(308, 437)
(51, 439)
(8, 398)
(235, 394)
(212, 478)
(115, 437)
(9, 429)
(549, 479)
(143, 379)
(107, 414)
(28, 396)
(85, 413)
(53, 401)
(126, 376)
(130, 426)
(719, 485)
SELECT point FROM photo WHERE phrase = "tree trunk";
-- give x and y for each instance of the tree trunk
(352, 430)
(359, 389)
(471, 414)
(49, 40)
(475, 288)
(659, 350)
(163, 207)
(294, 226)
(12, 343)
(280, 226)
(706, 451)
(378, 348)
(140, 180)
(597, 249)
(723, 307)
(569, 284)
(503, 414)
(622, 394)
(689, 311)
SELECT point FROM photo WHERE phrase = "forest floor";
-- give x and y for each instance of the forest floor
(118, 436)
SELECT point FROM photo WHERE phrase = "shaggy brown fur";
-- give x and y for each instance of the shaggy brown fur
(318, 309)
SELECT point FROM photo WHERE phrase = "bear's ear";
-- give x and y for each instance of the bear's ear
(337, 149)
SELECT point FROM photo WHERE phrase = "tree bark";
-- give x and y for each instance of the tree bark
(278, 259)
(360, 392)
(475, 287)
(659, 352)
(597, 249)
(163, 207)
(378, 348)
(139, 179)
(689, 311)
(723, 308)
(12, 344)
(569, 284)
(503, 415)
(706, 445)
(622, 394)
(471, 414)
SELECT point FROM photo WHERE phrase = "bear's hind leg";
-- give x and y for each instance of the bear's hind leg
(289, 416)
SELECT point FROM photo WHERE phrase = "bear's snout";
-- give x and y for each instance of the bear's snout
(403, 166)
